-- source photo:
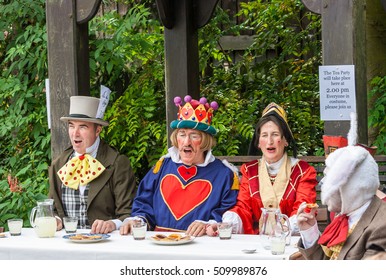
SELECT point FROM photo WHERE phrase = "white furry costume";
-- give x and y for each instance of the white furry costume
(348, 189)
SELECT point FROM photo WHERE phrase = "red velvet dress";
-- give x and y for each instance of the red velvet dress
(301, 187)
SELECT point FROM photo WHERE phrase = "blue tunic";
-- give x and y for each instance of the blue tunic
(177, 195)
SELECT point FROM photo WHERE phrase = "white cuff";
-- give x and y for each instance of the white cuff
(310, 236)
(294, 224)
(117, 223)
(234, 218)
(210, 222)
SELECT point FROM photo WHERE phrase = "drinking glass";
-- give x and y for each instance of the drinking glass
(138, 229)
(14, 226)
(70, 224)
(278, 244)
(225, 230)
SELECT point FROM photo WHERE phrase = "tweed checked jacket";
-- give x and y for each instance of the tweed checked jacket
(369, 232)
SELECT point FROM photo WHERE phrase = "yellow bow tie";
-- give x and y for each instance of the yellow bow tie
(80, 170)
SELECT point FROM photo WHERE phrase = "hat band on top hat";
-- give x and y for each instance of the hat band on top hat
(80, 116)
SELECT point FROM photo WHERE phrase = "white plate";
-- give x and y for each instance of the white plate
(102, 237)
(171, 242)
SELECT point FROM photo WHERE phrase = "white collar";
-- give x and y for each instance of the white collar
(273, 168)
(355, 215)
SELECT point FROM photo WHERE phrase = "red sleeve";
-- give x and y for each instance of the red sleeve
(306, 190)
(244, 206)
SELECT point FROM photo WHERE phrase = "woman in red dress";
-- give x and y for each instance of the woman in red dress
(277, 180)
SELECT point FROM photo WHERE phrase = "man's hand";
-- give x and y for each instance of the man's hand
(305, 220)
(100, 226)
(59, 223)
(196, 229)
(212, 230)
(125, 228)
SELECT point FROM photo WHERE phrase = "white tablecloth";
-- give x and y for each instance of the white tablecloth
(30, 247)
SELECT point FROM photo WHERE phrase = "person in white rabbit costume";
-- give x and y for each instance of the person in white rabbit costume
(349, 188)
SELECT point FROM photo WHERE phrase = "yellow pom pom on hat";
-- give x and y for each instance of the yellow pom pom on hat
(80, 170)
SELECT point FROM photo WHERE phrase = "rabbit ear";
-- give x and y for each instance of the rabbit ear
(342, 162)
(352, 135)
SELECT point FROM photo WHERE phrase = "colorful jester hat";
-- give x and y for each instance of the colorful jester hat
(195, 114)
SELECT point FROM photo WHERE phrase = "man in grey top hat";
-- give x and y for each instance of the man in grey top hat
(90, 179)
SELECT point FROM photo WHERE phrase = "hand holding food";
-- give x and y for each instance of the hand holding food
(312, 205)
(306, 215)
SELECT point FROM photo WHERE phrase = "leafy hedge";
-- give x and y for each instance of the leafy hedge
(25, 139)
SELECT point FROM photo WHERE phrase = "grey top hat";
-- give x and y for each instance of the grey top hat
(84, 108)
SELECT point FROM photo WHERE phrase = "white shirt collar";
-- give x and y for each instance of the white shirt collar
(355, 215)
(273, 168)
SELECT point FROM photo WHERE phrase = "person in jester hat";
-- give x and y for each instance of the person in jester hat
(188, 188)
(349, 187)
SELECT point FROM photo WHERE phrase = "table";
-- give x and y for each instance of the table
(30, 247)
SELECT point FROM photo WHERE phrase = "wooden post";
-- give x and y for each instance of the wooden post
(62, 67)
(343, 43)
(181, 19)
(68, 63)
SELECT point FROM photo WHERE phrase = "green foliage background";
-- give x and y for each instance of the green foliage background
(126, 55)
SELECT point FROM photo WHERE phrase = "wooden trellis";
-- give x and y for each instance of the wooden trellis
(343, 31)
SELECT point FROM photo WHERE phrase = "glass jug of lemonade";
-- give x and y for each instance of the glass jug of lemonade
(42, 218)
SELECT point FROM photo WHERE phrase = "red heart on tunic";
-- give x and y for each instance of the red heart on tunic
(187, 172)
(182, 199)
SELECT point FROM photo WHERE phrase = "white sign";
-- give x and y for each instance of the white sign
(337, 92)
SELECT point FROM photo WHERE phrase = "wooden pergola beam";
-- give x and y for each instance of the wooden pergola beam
(181, 19)
(68, 60)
